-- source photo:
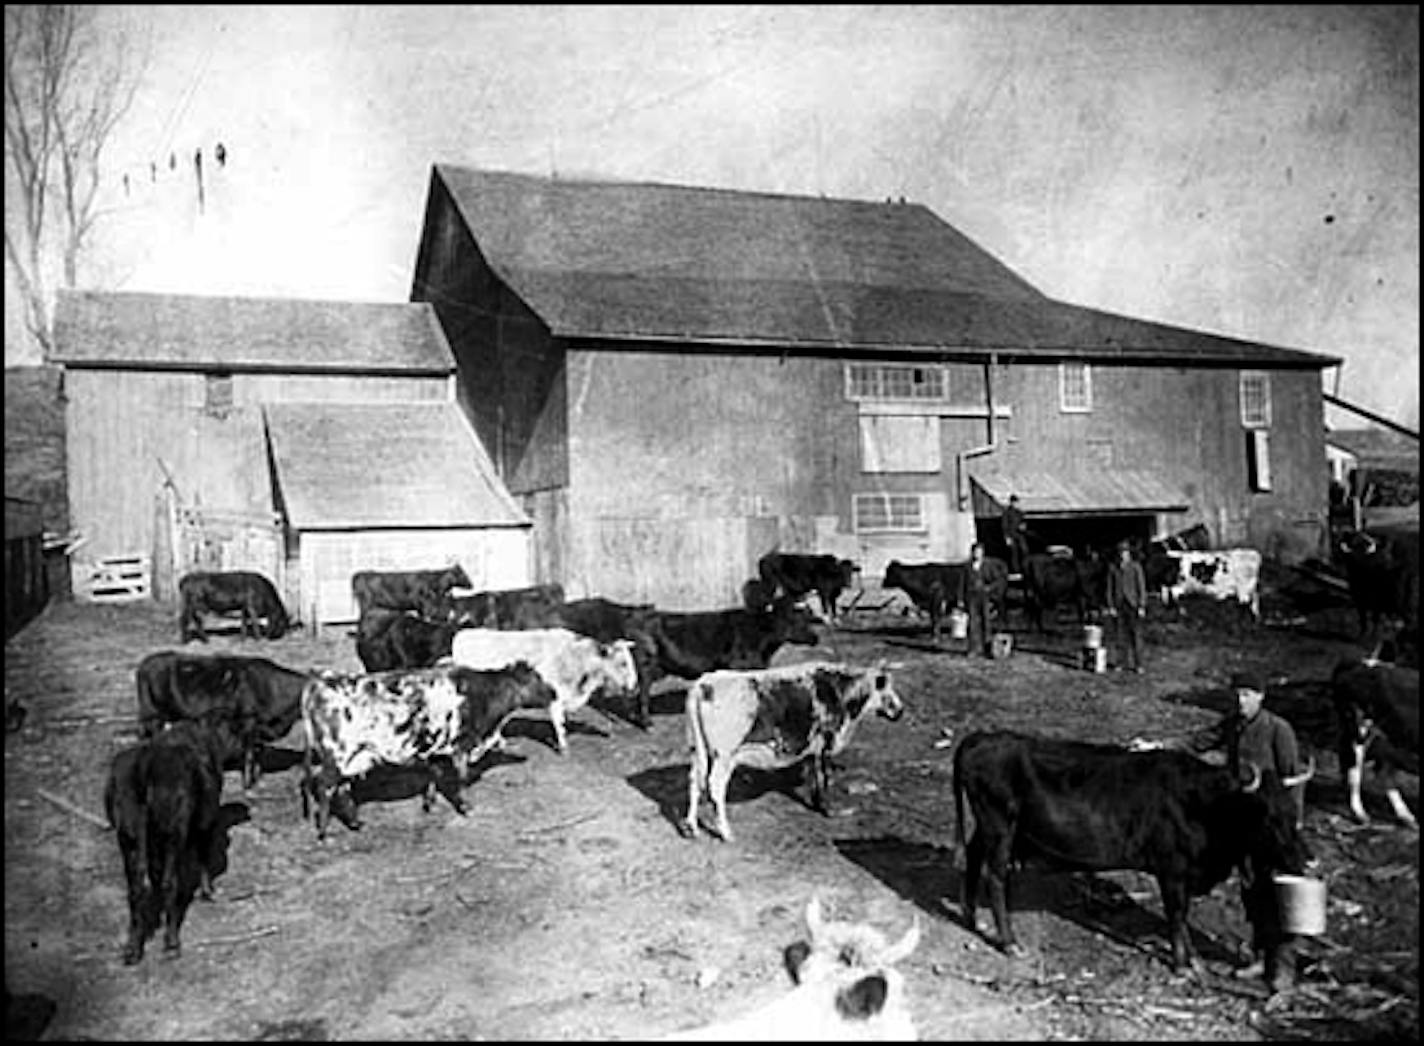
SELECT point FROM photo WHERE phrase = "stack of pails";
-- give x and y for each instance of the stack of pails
(1095, 655)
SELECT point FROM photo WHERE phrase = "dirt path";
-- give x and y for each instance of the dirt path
(566, 905)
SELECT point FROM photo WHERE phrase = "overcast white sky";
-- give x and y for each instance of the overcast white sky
(1250, 171)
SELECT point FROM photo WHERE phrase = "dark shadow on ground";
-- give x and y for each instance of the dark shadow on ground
(393, 784)
(541, 729)
(667, 787)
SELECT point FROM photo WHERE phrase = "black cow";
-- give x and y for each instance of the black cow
(796, 575)
(229, 592)
(1161, 571)
(1195, 538)
(405, 641)
(508, 609)
(162, 797)
(1377, 716)
(605, 621)
(932, 587)
(423, 591)
(1091, 807)
(1383, 572)
(1050, 581)
(689, 644)
(258, 700)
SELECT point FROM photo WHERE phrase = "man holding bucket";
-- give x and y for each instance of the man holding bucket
(1127, 603)
(1252, 734)
(977, 589)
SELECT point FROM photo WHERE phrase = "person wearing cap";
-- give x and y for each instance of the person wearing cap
(978, 582)
(1252, 734)
(1127, 604)
(1014, 536)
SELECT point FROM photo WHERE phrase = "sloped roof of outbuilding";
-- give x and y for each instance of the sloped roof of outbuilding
(397, 465)
(632, 261)
(198, 332)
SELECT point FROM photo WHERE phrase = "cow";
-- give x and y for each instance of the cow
(931, 587)
(846, 989)
(1195, 538)
(1052, 580)
(446, 715)
(536, 606)
(258, 699)
(423, 591)
(605, 621)
(693, 643)
(1161, 571)
(1377, 719)
(797, 575)
(575, 667)
(773, 718)
(1232, 573)
(162, 797)
(228, 592)
(1096, 807)
(406, 641)
(1383, 573)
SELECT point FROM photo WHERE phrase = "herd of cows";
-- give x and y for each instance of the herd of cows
(446, 667)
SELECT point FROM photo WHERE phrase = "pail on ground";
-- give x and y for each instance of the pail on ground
(1002, 644)
(1095, 659)
(1302, 903)
(958, 624)
(1092, 637)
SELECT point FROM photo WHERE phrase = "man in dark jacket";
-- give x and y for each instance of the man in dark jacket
(979, 586)
(1127, 604)
(1014, 536)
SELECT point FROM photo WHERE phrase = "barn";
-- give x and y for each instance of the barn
(302, 439)
(676, 380)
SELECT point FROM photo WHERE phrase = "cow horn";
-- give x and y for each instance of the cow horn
(1255, 781)
(905, 945)
(1302, 777)
(813, 917)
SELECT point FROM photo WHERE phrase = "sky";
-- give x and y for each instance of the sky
(1239, 170)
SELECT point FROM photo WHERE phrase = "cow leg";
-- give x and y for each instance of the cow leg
(1354, 777)
(717, 781)
(1000, 853)
(696, 785)
(140, 898)
(561, 734)
(1396, 800)
(969, 889)
(1175, 904)
(818, 774)
(175, 848)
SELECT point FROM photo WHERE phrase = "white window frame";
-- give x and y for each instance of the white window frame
(1259, 447)
(888, 501)
(1072, 404)
(883, 450)
(1255, 415)
(867, 382)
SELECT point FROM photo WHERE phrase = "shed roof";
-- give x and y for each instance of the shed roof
(1377, 447)
(640, 261)
(196, 332)
(1119, 491)
(397, 465)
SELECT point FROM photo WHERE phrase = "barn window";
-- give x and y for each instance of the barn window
(888, 513)
(899, 443)
(867, 381)
(1255, 399)
(219, 392)
(1075, 387)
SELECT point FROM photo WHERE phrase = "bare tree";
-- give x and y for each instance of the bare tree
(68, 82)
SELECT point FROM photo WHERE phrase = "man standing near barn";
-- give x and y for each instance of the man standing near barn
(1127, 604)
(1014, 536)
(1252, 735)
(975, 593)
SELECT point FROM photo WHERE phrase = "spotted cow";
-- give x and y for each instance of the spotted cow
(773, 718)
(1232, 573)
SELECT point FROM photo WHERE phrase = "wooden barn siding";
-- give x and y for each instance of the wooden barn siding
(120, 423)
(26, 578)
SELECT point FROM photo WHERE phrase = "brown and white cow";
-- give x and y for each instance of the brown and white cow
(846, 989)
(449, 713)
(575, 667)
(772, 718)
(1231, 573)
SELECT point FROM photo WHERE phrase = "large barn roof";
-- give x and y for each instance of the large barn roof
(195, 332)
(398, 465)
(627, 261)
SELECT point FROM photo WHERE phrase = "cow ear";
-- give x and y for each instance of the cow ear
(863, 999)
(905, 945)
(795, 957)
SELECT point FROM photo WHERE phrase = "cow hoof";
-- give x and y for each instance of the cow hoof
(688, 830)
(172, 951)
(132, 955)
(1015, 950)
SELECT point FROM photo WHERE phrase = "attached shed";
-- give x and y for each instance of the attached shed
(168, 455)
(389, 487)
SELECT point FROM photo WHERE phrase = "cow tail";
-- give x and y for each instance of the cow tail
(959, 795)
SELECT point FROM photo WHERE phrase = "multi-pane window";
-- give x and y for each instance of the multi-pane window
(899, 443)
(1075, 387)
(874, 381)
(888, 513)
(1255, 399)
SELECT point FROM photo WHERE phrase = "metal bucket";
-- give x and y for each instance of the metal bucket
(1002, 644)
(1092, 637)
(1095, 658)
(1302, 903)
(958, 624)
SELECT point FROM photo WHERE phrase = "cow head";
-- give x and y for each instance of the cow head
(794, 622)
(1274, 841)
(874, 692)
(893, 578)
(620, 670)
(857, 961)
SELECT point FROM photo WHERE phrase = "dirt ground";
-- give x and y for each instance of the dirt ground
(567, 905)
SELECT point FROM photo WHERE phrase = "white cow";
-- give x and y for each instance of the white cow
(573, 666)
(846, 990)
(1232, 573)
